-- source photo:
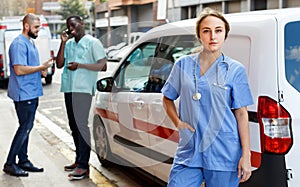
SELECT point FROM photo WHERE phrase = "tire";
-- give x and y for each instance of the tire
(101, 143)
(4, 83)
(48, 79)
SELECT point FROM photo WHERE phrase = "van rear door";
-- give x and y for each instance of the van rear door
(289, 85)
(253, 41)
(9, 36)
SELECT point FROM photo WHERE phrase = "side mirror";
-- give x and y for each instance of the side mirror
(105, 85)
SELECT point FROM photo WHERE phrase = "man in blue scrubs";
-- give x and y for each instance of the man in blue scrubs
(24, 88)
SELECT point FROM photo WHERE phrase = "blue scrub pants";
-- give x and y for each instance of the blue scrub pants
(78, 107)
(183, 176)
(26, 113)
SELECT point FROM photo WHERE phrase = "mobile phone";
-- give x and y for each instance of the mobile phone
(68, 32)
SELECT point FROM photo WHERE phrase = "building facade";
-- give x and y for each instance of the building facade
(49, 9)
(116, 19)
(182, 9)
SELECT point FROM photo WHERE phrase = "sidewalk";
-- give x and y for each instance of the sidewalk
(45, 150)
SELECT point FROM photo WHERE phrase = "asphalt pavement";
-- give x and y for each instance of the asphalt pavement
(45, 150)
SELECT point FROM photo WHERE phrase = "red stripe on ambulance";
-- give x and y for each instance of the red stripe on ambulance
(163, 132)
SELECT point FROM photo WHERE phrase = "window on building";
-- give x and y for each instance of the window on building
(188, 12)
(216, 6)
(259, 5)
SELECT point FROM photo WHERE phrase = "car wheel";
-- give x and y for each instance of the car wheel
(48, 79)
(101, 142)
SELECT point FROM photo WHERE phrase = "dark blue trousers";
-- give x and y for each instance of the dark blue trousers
(26, 114)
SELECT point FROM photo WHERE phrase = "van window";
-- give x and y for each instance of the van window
(170, 48)
(148, 66)
(292, 54)
(134, 73)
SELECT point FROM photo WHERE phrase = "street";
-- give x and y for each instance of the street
(51, 147)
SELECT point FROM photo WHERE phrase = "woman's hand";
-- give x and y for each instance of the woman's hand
(182, 125)
(244, 168)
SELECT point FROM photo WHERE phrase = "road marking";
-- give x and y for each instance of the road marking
(65, 137)
(49, 110)
(51, 100)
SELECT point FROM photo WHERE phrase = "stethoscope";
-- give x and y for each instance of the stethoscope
(197, 94)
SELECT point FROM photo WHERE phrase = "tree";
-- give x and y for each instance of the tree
(13, 7)
(72, 7)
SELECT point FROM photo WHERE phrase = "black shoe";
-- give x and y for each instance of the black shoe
(14, 170)
(70, 167)
(28, 166)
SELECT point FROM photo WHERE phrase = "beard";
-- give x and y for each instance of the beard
(31, 34)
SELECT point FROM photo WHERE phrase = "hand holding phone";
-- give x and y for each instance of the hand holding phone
(72, 66)
(68, 33)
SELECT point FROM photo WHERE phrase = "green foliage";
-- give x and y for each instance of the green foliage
(13, 7)
(72, 7)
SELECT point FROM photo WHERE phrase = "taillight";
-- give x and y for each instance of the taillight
(52, 53)
(3, 27)
(54, 58)
(44, 24)
(1, 61)
(275, 123)
(1, 66)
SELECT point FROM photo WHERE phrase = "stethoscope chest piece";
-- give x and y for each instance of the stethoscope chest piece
(197, 96)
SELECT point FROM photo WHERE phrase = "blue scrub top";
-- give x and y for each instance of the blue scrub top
(24, 87)
(215, 145)
(87, 51)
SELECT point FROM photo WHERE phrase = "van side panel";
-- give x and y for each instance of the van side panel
(254, 44)
(288, 47)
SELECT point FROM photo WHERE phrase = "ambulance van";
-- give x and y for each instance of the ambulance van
(10, 28)
(130, 122)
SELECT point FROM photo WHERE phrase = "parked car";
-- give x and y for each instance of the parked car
(116, 53)
(130, 123)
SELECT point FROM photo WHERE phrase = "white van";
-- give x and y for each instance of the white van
(130, 122)
(10, 28)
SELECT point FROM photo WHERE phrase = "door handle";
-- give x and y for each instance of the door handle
(139, 104)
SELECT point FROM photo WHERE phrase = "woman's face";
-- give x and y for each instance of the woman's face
(212, 33)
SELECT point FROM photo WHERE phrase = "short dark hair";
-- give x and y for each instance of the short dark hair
(30, 18)
(78, 18)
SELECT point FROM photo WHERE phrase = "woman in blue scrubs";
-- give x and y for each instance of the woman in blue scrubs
(212, 120)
